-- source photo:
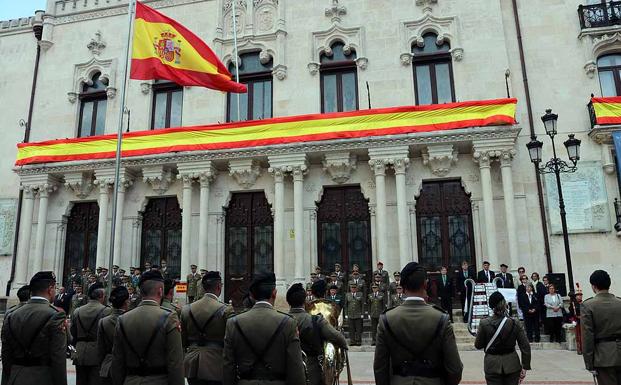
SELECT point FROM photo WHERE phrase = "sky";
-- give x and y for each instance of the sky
(12, 9)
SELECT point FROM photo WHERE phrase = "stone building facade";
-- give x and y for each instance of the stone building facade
(437, 197)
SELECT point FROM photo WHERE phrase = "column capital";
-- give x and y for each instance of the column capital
(485, 158)
(245, 172)
(401, 165)
(159, 177)
(379, 166)
(506, 157)
(298, 172)
(104, 178)
(43, 184)
(278, 173)
(288, 164)
(46, 189)
(207, 176)
(188, 172)
(187, 179)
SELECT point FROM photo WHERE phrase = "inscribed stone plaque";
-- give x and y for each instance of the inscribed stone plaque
(586, 200)
(8, 209)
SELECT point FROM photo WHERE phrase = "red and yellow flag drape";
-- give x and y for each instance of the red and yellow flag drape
(165, 49)
(607, 110)
(284, 130)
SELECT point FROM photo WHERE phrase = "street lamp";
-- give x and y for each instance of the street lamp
(557, 166)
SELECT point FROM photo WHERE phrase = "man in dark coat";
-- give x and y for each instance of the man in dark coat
(485, 275)
(445, 292)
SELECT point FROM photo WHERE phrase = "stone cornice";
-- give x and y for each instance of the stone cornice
(452, 136)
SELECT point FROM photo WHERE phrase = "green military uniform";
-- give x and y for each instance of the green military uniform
(337, 299)
(396, 300)
(200, 291)
(13, 308)
(105, 340)
(134, 300)
(167, 304)
(360, 284)
(192, 281)
(203, 325)
(314, 330)
(385, 276)
(422, 355)
(77, 300)
(601, 337)
(261, 346)
(147, 347)
(392, 288)
(352, 310)
(377, 305)
(502, 364)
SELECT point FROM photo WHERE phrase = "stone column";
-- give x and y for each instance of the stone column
(186, 224)
(136, 237)
(507, 188)
(379, 168)
(205, 180)
(298, 219)
(102, 226)
(413, 232)
(118, 223)
(313, 259)
(373, 217)
(405, 256)
(44, 194)
(60, 249)
(25, 231)
(279, 223)
(484, 160)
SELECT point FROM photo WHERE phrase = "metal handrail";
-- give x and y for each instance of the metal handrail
(600, 15)
(471, 303)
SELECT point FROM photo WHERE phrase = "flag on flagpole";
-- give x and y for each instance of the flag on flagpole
(164, 49)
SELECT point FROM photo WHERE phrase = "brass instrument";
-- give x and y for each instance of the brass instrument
(334, 359)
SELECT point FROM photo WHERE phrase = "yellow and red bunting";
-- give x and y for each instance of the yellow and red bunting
(165, 49)
(275, 131)
(607, 110)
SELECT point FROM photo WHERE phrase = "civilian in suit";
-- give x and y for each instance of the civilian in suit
(485, 275)
(507, 278)
(529, 304)
(445, 291)
(464, 293)
(521, 290)
(540, 291)
(63, 300)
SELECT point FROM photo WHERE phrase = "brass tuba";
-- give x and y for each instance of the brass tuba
(334, 359)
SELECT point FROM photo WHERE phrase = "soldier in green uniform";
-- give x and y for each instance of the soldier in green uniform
(335, 296)
(200, 291)
(261, 346)
(384, 276)
(334, 281)
(78, 298)
(352, 310)
(147, 341)
(377, 305)
(415, 341)
(601, 331)
(169, 295)
(192, 280)
(498, 335)
(357, 280)
(134, 298)
(381, 286)
(203, 323)
(398, 298)
(23, 294)
(84, 332)
(392, 288)
(314, 330)
(34, 338)
(119, 298)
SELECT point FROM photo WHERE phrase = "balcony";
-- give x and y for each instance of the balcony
(600, 15)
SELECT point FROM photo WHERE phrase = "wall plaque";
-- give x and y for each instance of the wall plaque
(8, 212)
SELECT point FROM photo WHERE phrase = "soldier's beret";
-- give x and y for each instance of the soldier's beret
(263, 279)
(151, 275)
(212, 276)
(319, 286)
(93, 287)
(119, 293)
(295, 288)
(495, 299)
(48, 276)
(334, 287)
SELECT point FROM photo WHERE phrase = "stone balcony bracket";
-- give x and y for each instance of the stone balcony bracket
(340, 166)
(245, 172)
(440, 158)
(159, 177)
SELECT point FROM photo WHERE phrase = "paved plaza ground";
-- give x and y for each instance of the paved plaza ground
(550, 367)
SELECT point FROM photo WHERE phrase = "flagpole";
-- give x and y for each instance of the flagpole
(236, 55)
(119, 139)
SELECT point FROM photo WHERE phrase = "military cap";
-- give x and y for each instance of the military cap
(313, 274)
(337, 265)
(193, 266)
(203, 271)
(121, 271)
(333, 275)
(495, 299)
(212, 275)
(43, 276)
(295, 288)
(104, 268)
(411, 268)
(353, 285)
(151, 275)
(355, 266)
(319, 286)
(93, 287)
(380, 263)
(317, 268)
(377, 275)
(503, 265)
(396, 274)
(263, 279)
(115, 266)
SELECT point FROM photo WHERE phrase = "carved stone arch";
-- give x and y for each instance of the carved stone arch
(368, 191)
(599, 46)
(352, 37)
(446, 28)
(318, 195)
(83, 74)
(68, 209)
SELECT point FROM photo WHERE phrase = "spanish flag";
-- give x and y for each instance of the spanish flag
(164, 49)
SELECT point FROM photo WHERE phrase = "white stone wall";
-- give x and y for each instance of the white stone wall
(483, 30)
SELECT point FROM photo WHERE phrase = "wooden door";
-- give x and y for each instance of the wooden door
(81, 241)
(161, 234)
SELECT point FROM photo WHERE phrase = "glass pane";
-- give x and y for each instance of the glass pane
(607, 82)
(423, 84)
(431, 242)
(92, 250)
(349, 91)
(329, 93)
(100, 123)
(87, 118)
(250, 63)
(176, 109)
(173, 253)
(237, 250)
(609, 60)
(459, 239)
(159, 115)
(358, 245)
(243, 101)
(152, 247)
(263, 248)
(443, 82)
(331, 243)
(267, 99)
(257, 100)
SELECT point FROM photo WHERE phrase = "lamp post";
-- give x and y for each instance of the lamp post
(618, 215)
(557, 166)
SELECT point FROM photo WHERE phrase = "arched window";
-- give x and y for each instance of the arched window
(93, 101)
(167, 105)
(609, 68)
(339, 80)
(257, 102)
(433, 71)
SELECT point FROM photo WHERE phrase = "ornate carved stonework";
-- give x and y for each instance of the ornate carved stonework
(400, 165)
(159, 177)
(340, 165)
(352, 37)
(96, 45)
(81, 183)
(145, 88)
(598, 42)
(245, 172)
(335, 11)
(440, 158)
(84, 72)
(445, 27)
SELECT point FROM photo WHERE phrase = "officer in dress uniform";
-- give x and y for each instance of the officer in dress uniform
(203, 324)
(134, 298)
(357, 280)
(192, 280)
(314, 330)
(119, 298)
(261, 346)
(334, 281)
(319, 274)
(84, 332)
(415, 341)
(501, 363)
(335, 297)
(353, 307)
(78, 299)
(147, 341)
(340, 275)
(200, 291)
(74, 278)
(600, 321)
(377, 305)
(169, 294)
(34, 338)
(397, 282)
(397, 298)
(385, 278)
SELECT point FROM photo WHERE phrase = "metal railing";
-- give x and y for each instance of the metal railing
(600, 15)
(592, 115)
